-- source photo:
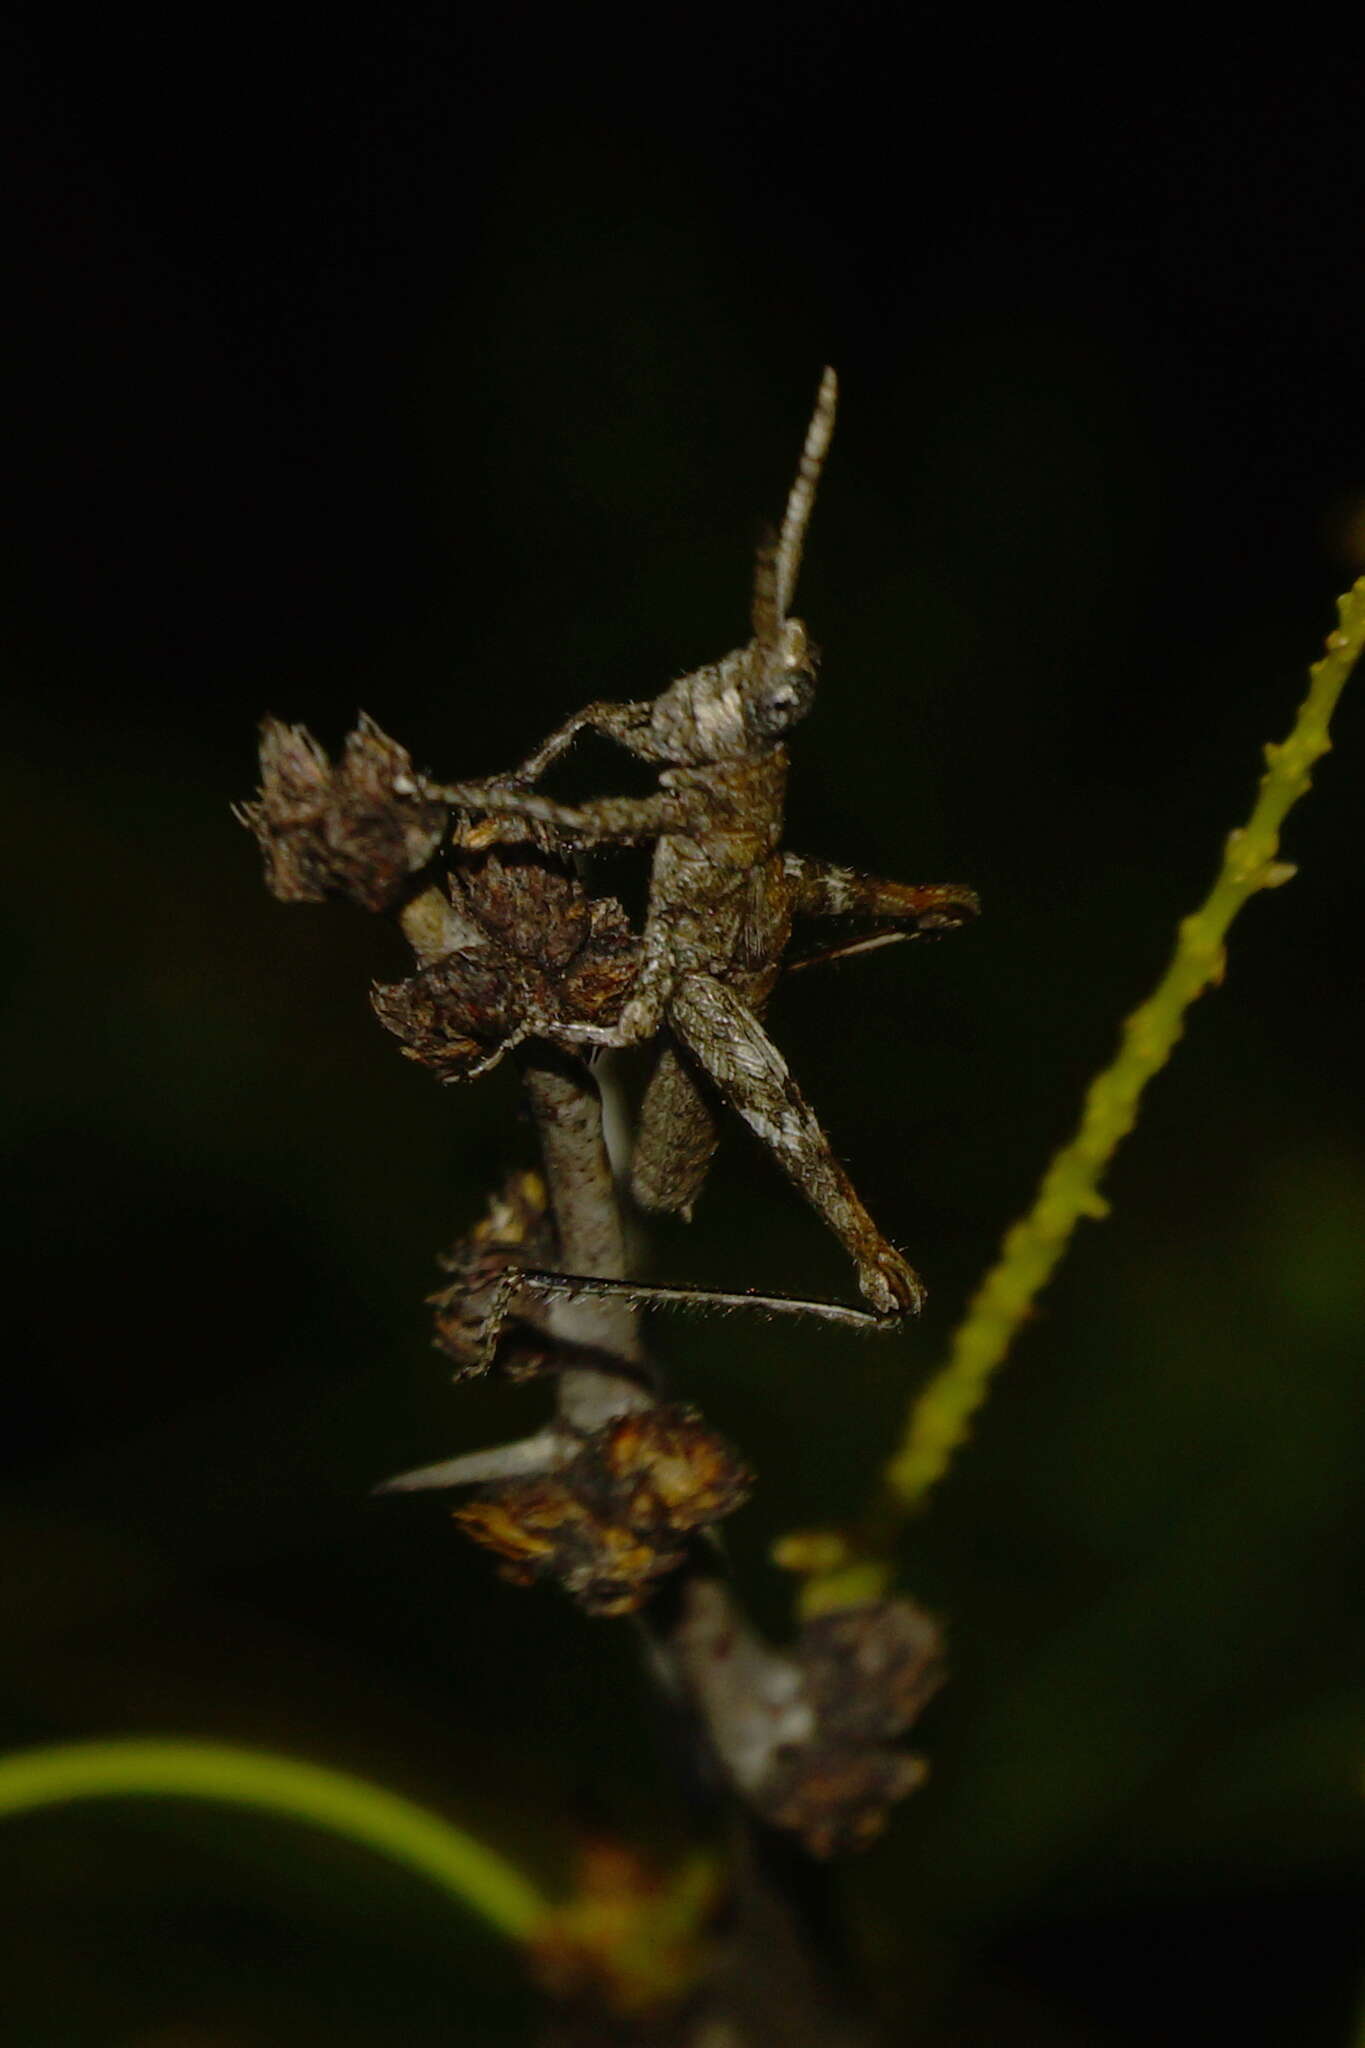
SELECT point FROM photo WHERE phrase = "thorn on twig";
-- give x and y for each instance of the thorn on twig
(529, 1456)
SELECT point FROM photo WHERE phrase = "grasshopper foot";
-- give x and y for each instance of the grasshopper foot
(891, 1284)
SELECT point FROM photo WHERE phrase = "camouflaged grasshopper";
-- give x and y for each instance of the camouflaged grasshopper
(722, 901)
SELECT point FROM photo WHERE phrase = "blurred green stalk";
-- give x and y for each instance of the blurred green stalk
(940, 1418)
(347, 1806)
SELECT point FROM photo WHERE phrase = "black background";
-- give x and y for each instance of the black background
(447, 365)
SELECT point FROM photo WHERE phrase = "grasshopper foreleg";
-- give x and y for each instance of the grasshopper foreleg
(620, 722)
(619, 820)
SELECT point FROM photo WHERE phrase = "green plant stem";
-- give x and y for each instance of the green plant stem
(347, 1806)
(940, 1418)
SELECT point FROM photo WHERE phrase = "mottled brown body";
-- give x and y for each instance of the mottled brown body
(729, 915)
(722, 900)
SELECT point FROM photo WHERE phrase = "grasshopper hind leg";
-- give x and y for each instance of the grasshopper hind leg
(724, 1036)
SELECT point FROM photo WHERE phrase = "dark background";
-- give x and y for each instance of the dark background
(446, 365)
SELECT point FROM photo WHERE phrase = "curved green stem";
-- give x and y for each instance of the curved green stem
(347, 1806)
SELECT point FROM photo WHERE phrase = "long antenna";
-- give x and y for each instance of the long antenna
(766, 613)
(787, 562)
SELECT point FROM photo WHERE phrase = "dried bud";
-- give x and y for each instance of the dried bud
(515, 1230)
(452, 1015)
(663, 1469)
(358, 829)
(542, 1530)
(868, 1671)
(617, 1518)
(839, 1799)
(628, 1944)
(551, 956)
(528, 898)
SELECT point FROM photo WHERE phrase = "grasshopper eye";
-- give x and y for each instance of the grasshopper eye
(784, 700)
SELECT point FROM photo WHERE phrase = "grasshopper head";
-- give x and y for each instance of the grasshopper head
(734, 708)
(780, 687)
(742, 705)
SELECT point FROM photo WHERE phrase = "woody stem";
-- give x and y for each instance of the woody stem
(740, 1699)
(742, 1692)
(565, 1101)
